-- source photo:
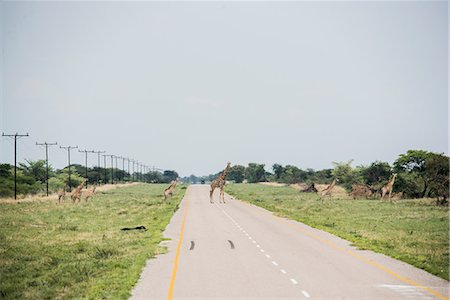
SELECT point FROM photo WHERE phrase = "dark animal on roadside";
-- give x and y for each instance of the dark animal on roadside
(135, 228)
(310, 189)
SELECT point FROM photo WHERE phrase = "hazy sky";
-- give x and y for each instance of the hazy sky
(191, 85)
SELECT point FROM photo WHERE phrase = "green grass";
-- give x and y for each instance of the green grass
(415, 231)
(51, 251)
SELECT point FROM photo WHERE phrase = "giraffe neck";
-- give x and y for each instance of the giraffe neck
(225, 172)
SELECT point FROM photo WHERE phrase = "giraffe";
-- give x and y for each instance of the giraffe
(76, 194)
(61, 194)
(90, 193)
(327, 190)
(388, 187)
(219, 182)
(169, 190)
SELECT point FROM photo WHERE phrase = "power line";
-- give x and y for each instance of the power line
(16, 136)
(68, 156)
(104, 167)
(86, 153)
(46, 157)
(112, 166)
(99, 166)
(98, 153)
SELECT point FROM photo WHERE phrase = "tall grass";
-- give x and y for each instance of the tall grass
(51, 251)
(415, 231)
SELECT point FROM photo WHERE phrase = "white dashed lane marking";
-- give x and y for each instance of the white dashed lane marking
(262, 250)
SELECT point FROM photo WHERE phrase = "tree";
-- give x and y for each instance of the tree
(36, 169)
(413, 162)
(169, 175)
(236, 173)
(255, 173)
(292, 174)
(346, 175)
(436, 171)
(277, 170)
(377, 173)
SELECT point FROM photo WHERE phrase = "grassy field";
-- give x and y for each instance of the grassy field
(414, 231)
(51, 251)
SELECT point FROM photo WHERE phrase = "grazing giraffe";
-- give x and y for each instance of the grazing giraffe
(219, 182)
(76, 194)
(61, 194)
(327, 190)
(388, 187)
(90, 193)
(169, 190)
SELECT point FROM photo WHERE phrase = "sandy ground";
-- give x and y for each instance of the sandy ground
(54, 197)
(336, 192)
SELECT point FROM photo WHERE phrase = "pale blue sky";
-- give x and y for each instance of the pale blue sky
(191, 85)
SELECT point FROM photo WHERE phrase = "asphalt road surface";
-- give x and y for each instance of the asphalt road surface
(240, 251)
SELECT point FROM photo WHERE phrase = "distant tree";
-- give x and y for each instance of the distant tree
(36, 169)
(377, 173)
(5, 171)
(346, 174)
(277, 170)
(437, 176)
(155, 177)
(236, 173)
(292, 174)
(412, 161)
(169, 175)
(324, 176)
(255, 173)
(75, 178)
(413, 164)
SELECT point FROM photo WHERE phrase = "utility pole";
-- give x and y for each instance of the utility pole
(112, 168)
(86, 153)
(128, 169)
(98, 153)
(116, 167)
(104, 167)
(68, 155)
(99, 167)
(46, 157)
(16, 136)
(133, 168)
(123, 166)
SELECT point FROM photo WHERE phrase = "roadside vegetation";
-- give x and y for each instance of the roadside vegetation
(415, 231)
(421, 174)
(32, 176)
(66, 251)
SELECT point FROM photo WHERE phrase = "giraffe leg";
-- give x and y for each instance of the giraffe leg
(211, 195)
(222, 195)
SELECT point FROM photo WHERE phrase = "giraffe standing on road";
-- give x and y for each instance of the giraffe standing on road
(327, 190)
(219, 182)
(76, 194)
(388, 187)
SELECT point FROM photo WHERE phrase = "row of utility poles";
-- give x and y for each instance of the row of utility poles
(139, 169)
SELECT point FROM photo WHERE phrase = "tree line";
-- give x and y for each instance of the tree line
(31, 177)
(420, 174)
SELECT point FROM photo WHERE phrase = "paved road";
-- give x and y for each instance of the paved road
(240, 251)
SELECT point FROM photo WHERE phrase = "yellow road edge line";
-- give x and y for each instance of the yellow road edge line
(177, 255)
(361, 258)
